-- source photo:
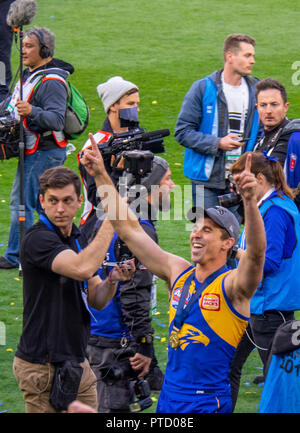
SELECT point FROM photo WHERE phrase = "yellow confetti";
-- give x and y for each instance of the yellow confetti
(154, 102)
(17, 279)
(178, 163)
(153, 399)
(9, 350)
(163, 339)
(12, 303)
(3, 201)
(157, 313)
(250, 392)
(93, 108)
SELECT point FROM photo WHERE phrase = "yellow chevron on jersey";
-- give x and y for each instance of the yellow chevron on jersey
(216, 309)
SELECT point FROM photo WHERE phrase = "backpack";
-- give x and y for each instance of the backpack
(77, 112)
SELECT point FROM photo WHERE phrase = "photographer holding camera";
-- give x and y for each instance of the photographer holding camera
(120, 99)
(60, 284)
(218, 120)
(121, 344)
(131, 307)
(43, 112)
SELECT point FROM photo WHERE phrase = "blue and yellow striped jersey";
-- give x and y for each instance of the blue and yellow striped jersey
(207, 340)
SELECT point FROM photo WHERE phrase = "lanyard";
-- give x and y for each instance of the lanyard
(83, 290)
(182, 312)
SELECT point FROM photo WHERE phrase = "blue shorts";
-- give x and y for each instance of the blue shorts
(204, 403)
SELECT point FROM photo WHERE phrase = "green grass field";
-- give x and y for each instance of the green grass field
(162, 46)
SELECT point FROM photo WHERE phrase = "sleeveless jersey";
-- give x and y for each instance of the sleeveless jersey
(208, 339)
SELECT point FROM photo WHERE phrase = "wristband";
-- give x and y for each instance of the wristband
(110, 280)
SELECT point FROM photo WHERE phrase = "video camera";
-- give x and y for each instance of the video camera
(137, 147)
(9, 137)
(121, 369)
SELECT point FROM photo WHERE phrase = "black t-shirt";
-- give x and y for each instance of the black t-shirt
(55, 319)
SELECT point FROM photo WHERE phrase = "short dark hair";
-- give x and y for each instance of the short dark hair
(271, 83)
(59, 177)
(232, 42)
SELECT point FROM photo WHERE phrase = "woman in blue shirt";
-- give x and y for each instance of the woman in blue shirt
(278, 294)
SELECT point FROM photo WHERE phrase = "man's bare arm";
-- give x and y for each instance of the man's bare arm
(241, 284)
(83, 265)
(161, 263)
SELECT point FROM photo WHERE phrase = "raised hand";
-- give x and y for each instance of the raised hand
(92, 159)
(246, 181)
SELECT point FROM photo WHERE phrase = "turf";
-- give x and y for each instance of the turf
(162, 46)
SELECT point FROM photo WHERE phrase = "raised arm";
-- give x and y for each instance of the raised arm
(161, 263)
(241, 283)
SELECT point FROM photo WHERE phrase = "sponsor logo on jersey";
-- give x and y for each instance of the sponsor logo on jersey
(211, 301)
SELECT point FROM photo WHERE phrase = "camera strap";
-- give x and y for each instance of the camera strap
(84, 290)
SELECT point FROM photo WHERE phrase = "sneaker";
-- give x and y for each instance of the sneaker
(5, 264)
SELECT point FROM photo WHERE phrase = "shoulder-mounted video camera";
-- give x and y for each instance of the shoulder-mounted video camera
(9, 138)
(137, 147)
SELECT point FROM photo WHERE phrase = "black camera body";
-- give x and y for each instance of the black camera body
(9, 138)
(121, 369)
(229, 200)
(137, 147)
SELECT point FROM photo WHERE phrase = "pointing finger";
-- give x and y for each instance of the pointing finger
(248, 162)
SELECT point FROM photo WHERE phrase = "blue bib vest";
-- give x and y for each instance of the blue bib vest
(198, 166)
(280, 290)
(109, 321)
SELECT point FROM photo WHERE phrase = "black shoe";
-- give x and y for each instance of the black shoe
(5, 264)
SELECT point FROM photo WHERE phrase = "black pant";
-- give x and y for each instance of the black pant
(261, 331)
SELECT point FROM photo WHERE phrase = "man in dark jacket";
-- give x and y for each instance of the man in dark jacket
(42, 111)
(218, 120)
(281, 136)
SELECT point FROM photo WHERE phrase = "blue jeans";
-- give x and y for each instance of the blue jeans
(34, 167)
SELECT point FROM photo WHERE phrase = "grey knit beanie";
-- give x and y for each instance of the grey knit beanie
(112, 90)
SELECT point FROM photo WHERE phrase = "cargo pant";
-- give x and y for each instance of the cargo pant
(35, 381)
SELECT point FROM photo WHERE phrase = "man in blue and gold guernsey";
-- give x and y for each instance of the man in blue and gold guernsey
(209, 303)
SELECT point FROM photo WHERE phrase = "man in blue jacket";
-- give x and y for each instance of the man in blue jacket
(218, 120)
(42, 110)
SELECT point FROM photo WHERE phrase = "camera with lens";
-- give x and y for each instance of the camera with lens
(233, 199)
(9, 137)
(120, 369)
(230, 199)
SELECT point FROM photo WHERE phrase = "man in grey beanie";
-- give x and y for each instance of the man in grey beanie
(120, 99)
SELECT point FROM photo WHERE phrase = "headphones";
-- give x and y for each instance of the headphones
(44, 50)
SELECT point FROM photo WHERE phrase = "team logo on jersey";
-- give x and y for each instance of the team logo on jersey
(211, 301)
(293, 161)
(176, 298)
(188, 334)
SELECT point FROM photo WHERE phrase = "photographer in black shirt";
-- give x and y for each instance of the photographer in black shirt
(59, 285)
